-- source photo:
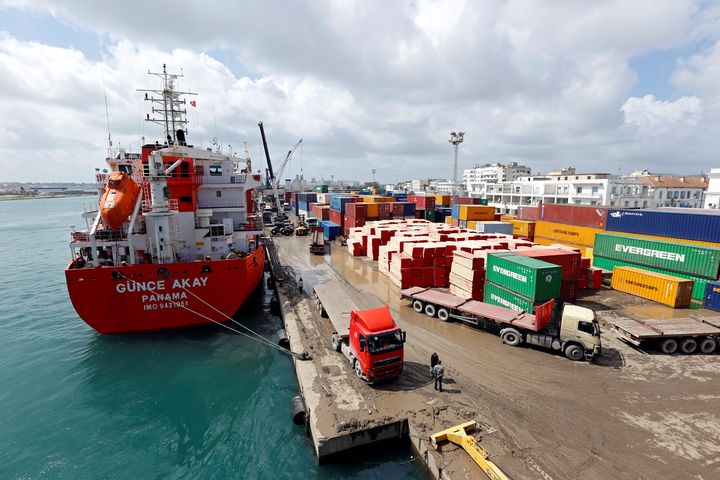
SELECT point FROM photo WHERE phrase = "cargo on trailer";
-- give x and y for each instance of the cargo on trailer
(672, 291)
(534, 279)
(712, 296)
(494, 294)
(677, 257)
(568, 260)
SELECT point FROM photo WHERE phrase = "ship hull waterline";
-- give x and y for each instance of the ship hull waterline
(149, 297)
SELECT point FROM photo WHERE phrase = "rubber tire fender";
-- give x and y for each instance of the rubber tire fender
(511, 337)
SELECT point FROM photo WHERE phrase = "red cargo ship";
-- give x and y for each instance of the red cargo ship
(174, 240)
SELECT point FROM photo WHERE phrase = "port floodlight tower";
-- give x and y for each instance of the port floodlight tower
(456, 138)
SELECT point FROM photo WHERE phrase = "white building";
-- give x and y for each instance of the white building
(712, 197)
(645, 190)
(494, 173)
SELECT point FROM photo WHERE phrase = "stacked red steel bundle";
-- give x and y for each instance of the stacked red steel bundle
(467, 275)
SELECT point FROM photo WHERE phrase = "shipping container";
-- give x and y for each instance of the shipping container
(712, 296)
(356, 210)
(422, 201)
(562, 233)
(669, 290)
(494, 227)
(330, 229)
(528, 213)
(529, 277)
(321, 212)
(677, 257)
(670, 239)
(567, 260)
(464, 201)
(475, 212)
(494, 294)
(700, 283)
(580, 215)
(409, 209)
(321, 189)
(568, 291)
(523, 228)
(429, 214)
(337, 218)
(442, 200)
(687, 225)
(338, 202)
(372, 210)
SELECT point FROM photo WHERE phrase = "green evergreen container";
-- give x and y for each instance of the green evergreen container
(699, 286)
(531, 278)
(502, 297)
(483, 201)
(430, 214)
(696, 260)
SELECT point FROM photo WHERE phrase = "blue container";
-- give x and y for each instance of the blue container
(330, 229)
(712, 296)
(494, 227)
(409, 210)
(338, 203)
(456, 210)
(687, 225)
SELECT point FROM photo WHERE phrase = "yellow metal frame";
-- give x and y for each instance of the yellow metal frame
(459, 436)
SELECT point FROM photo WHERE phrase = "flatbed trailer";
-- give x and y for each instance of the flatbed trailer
(578, 336)
(670, 335)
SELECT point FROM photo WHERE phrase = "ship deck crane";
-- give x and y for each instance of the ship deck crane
(281, 216)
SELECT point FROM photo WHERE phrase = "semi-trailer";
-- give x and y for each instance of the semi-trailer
(578, 335)
(671, 335)
(369, 339)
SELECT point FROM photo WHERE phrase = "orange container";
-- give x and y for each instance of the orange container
(672, 291)
(523, 228)
(476, 212)
(561, 233)
(372, 210)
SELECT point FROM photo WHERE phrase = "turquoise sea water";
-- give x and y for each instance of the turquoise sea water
(199, 403)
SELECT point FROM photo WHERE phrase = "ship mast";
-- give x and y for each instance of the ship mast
(171, 106)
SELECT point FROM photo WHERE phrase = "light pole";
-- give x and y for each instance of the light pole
(456, 139)
(373, 172)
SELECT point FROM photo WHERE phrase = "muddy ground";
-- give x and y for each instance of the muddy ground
(631, 414)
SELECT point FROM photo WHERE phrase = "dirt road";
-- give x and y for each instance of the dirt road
(629, 415)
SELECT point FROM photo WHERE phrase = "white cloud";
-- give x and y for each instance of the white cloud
(370, 84)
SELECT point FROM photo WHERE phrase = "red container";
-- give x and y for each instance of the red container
(568, 291)
(356, 210)
(384, 210)
(398, 209)
(464, 201)
(352, 222)
(528, 213)
(567, 259)
(337, 218)
(585, 216)
(422, 202)
(594, 278)
(321, 212)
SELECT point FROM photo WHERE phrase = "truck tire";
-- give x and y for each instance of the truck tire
(511, 337)
(443, 314)
(418, 306)
(669, 346)
(358, 369)
(688, 346)
(708, 345)
(575, 352)
(430, 310)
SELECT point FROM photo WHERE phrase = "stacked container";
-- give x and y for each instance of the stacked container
(669, 290)
(569, 261)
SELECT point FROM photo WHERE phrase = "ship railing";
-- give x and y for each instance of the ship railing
(254, 223)
(221, 204)
(147, 205)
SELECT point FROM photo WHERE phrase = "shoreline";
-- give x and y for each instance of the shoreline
(37, 197)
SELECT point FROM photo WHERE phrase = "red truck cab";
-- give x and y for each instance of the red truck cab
(377, 343)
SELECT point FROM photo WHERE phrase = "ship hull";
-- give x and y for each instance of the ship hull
(140, 298)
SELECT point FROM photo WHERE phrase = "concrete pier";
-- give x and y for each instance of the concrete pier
(540, 415)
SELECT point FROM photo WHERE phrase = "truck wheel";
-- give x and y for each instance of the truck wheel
(575, 352)
(511, 337)
(688, 346)
(669, 346)
(418, 306)
(430, 310)
(708, 345)
(358, 370)
(443, 314)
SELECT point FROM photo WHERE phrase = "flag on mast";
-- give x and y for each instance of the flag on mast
(192, 103)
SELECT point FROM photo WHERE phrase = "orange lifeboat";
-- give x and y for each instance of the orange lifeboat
(118, 200)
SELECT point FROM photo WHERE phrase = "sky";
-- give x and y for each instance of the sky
(610, 86)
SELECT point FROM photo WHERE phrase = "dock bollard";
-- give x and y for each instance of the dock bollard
(283, 339)
(298, 410)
